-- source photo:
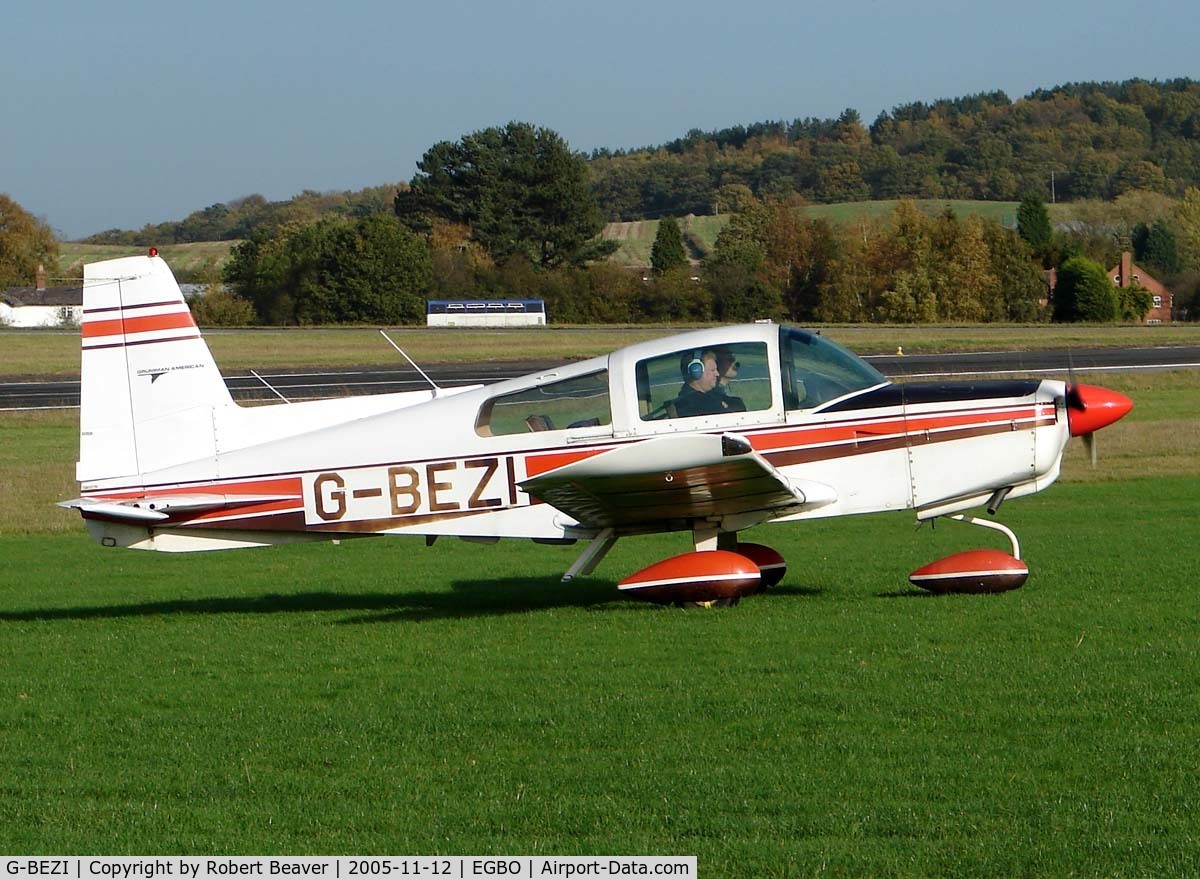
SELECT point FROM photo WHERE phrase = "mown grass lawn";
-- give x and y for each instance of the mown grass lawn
(380, 696)
(384, 697)
(50, 352)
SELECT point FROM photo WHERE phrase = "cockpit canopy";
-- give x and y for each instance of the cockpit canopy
(729, 371)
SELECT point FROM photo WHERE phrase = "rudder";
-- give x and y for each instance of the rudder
(149, 384)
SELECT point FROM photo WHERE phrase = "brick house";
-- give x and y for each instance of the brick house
(1127, 274)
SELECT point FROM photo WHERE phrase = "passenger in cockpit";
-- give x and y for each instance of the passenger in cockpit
(727, 370)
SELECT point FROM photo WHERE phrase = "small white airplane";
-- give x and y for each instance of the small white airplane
(711, 431)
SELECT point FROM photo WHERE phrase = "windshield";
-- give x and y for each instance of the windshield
(816, 370)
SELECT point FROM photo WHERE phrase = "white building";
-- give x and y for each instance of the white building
(485, 313)
(41, 306)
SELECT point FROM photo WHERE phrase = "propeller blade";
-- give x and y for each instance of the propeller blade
(1075, 398)
(1089, 443)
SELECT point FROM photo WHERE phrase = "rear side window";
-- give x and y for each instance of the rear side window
(576, 402)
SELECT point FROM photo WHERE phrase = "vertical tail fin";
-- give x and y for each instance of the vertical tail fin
(149, 384)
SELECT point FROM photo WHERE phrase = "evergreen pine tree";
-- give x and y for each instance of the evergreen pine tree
(667, 252)
(1033, 223)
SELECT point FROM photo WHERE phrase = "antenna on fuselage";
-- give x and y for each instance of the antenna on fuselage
(269, 387)
(432, 384)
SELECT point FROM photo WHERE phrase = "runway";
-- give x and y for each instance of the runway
(33, 392)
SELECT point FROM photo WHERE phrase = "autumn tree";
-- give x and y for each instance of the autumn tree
(908, 261)
(973, 292)
(1187, 218)
(25, 243)
(1023, 287)
(859, 274)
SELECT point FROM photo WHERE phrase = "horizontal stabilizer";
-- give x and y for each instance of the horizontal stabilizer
(158, 508)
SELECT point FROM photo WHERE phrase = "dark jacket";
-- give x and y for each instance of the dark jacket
(692, 402)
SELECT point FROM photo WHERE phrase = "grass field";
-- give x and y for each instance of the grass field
(184, 259)
(383, 697)
(54, 352)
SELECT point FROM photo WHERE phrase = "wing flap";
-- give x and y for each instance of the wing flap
(671, 478)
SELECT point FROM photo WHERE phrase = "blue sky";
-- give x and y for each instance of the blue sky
(124, 113)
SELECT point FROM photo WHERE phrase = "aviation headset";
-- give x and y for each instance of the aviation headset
(692, 366)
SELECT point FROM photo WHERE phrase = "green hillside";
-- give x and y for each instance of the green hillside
(184, 259)
(637, 237)
(634, 238)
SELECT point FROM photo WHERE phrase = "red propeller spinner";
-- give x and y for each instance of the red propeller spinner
(1090, 408)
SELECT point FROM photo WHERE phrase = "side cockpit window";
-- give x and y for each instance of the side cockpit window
(576, 402)
(715, 380)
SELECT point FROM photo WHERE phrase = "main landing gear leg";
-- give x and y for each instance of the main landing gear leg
(706, 536)
(592, 555)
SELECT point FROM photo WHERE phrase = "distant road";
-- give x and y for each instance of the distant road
(316, 383)
(1050, 363)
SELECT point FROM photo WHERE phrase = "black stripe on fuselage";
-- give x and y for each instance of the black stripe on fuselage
(912, 393)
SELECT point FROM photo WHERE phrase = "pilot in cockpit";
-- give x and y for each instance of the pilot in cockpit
(698, 396)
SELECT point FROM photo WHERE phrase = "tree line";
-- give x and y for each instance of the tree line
(1067, 143)
(241, 218)
(512, 211)
(1070, 142)
(507, 212)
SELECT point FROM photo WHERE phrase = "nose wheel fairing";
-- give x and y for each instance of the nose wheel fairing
(977, 570)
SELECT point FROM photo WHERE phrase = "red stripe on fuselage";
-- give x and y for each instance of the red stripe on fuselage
(284, 486)
(896, 425)
(247, 510)
(536, 464)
